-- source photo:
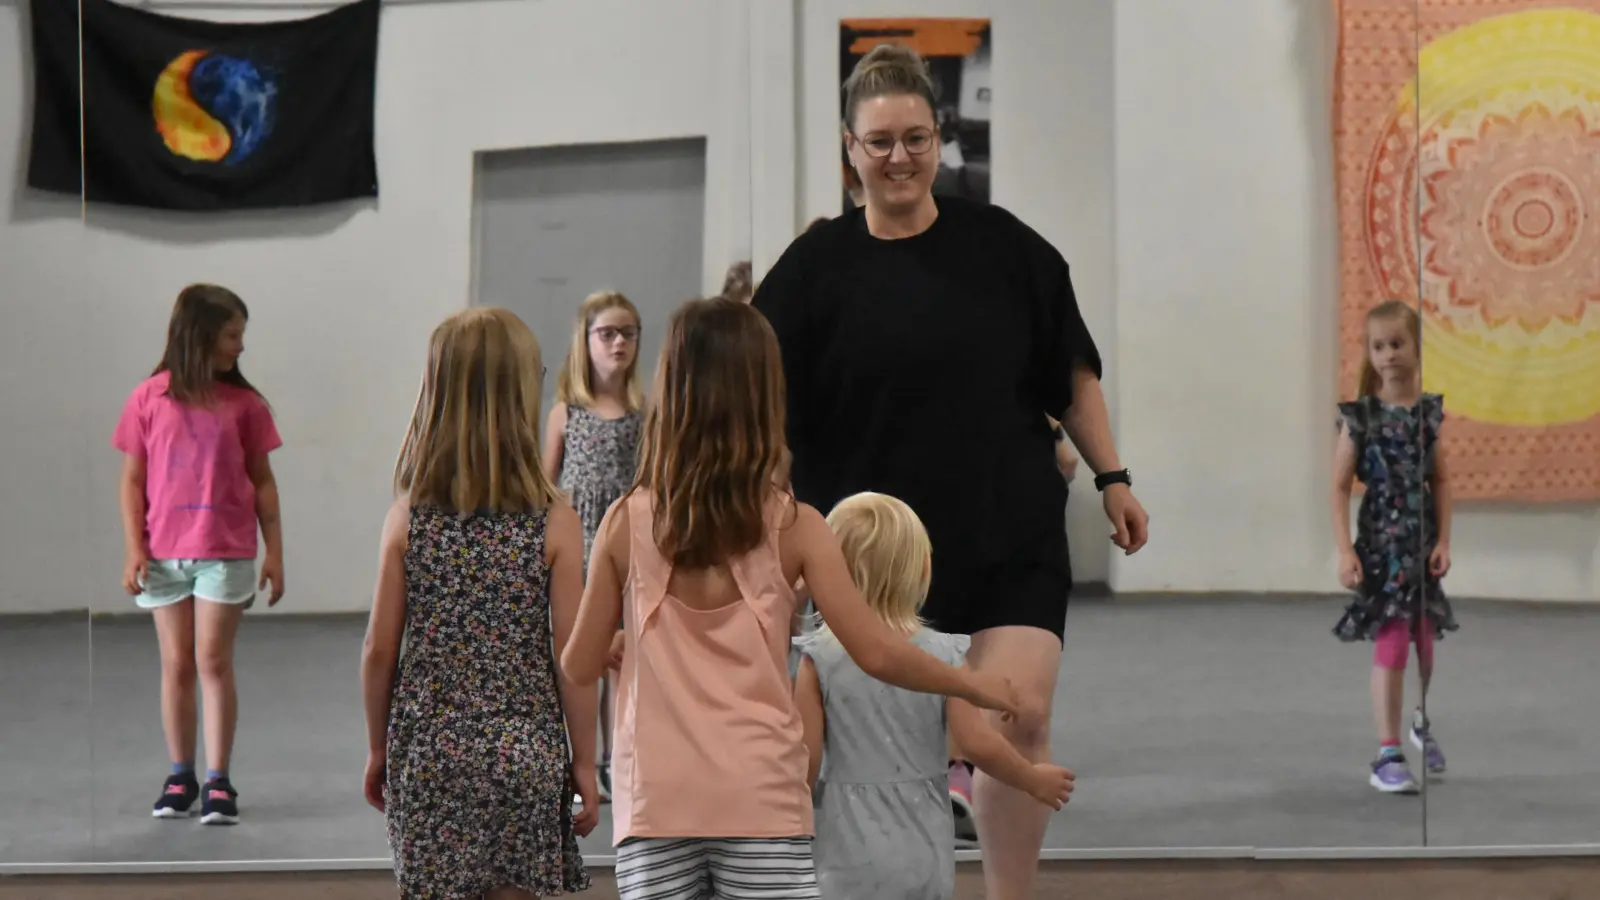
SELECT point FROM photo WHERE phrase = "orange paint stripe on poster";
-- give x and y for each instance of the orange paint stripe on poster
(929, 37)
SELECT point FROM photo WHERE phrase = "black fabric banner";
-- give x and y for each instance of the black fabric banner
(188, 114)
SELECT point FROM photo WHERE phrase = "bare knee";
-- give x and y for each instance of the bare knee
(216, 666)
(1031, 738)
(178, 670)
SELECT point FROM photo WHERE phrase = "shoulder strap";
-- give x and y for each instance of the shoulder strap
(648, 571)
(759, 573)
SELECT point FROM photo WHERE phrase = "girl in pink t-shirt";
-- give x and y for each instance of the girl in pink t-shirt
(195, 483)
(709, 774)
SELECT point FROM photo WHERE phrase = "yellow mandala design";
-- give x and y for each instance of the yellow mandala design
(1508, 175)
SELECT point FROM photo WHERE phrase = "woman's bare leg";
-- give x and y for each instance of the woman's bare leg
(507, 893)
(1011, 824)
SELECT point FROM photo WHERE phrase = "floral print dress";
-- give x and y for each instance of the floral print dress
(599, 458)
(1398, 523)
(479, 777)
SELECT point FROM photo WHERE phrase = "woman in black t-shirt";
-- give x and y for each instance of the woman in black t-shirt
(924, 341)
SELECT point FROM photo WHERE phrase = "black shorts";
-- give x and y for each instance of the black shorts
(1032, 594)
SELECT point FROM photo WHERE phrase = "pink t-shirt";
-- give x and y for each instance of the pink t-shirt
(199, 500)
(709, 741)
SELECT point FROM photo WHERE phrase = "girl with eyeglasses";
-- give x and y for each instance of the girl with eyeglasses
(591, 445)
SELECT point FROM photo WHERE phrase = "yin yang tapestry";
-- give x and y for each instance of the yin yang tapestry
(181, 113)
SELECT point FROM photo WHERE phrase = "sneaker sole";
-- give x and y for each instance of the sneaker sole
(172, 814)
(1409, 787)
(218, 819)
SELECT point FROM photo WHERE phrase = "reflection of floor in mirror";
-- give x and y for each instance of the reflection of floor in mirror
(1205, 722)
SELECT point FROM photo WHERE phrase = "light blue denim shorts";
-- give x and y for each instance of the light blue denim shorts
(230, 581)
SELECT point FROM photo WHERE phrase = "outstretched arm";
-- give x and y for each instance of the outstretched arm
(888, 657)
(994, 755)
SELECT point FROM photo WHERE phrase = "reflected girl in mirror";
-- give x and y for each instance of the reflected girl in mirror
(591, 442)
(1389, 440)
(195, 484)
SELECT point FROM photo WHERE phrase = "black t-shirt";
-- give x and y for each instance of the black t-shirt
(923, 368)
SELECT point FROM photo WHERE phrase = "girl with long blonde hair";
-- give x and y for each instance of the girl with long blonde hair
(591, 442)
(480, 572)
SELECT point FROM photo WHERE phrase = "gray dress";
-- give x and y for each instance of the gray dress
(883, 797)
(599, 457)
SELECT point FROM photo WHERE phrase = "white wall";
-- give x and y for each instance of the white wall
(342, 300)
(1226, 246)
(1176, 152)
(1051, 151)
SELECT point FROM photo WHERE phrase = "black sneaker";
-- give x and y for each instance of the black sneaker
(220, 805)
(177, 798)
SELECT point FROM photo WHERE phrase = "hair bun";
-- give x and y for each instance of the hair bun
(887, 69)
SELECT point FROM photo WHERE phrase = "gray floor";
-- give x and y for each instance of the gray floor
(1199, 722)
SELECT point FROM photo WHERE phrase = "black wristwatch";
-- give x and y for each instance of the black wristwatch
(1107, 479)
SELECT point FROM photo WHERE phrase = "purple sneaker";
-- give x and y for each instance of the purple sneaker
(961, 801)
(1391, 775)
(1422, 739)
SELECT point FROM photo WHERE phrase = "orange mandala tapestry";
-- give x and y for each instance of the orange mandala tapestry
(1468, 147)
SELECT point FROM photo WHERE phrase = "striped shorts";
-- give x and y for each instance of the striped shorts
(716, 869)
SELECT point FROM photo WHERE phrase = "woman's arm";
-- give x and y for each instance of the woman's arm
(1088, 422)
(813, 719)
(588, 652)
(877, 650)
(564, 554)
(555, 442)
(380, 652)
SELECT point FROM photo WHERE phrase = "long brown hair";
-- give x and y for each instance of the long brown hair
(575, 382)
(712, 454)
(198, 317)
(1387, 311)
(473, 444)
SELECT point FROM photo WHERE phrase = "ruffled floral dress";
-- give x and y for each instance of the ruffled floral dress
(1398, 523)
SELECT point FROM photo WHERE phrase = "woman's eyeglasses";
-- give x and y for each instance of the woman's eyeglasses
(917, 142)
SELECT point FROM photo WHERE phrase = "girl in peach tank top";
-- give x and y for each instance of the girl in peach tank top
(710, 796)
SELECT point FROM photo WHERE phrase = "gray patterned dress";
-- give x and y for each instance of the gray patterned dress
(883, 797)
(598, 460)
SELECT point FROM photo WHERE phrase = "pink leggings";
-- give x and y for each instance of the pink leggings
(1394, 645)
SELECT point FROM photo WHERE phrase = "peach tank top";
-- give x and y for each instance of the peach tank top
(708, 741)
